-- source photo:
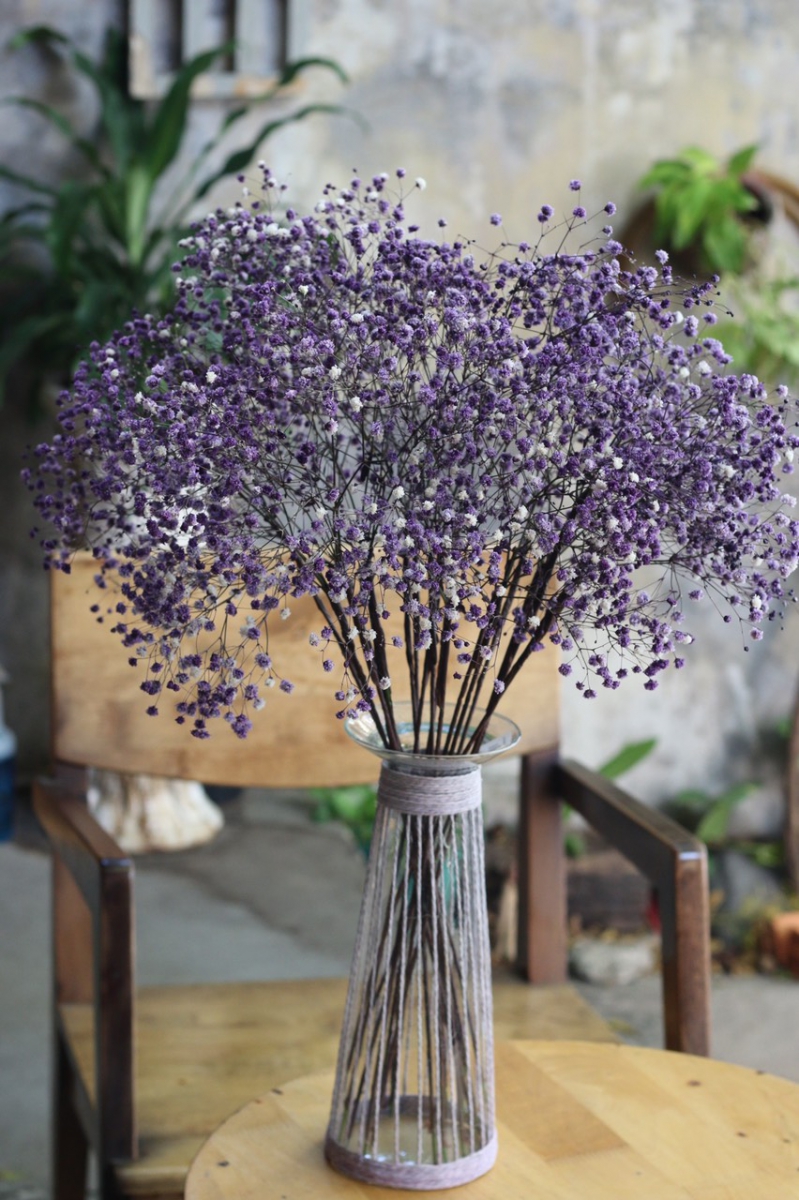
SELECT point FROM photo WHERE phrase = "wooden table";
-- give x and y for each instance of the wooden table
(576, 1121)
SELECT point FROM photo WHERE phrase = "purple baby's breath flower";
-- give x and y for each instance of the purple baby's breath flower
(610, 208)
(488, 450)
(575, 185)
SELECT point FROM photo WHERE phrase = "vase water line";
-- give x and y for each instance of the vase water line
(413, 1103)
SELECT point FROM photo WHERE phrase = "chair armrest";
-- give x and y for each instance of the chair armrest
(94, 945)
(676, 864)
(648, 838)
(89, 853)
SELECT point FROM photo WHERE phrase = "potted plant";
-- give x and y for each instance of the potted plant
(481, 452)
(78, 256)
(712, 216)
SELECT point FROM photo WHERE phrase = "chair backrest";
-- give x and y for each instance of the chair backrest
(99, 711)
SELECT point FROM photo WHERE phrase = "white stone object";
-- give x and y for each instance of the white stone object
(145, 812)
(611, 963)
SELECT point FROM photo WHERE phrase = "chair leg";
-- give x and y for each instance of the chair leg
(542, 943)
(70, 1144)
(685, 916)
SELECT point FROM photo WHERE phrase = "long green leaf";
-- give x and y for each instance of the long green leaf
(741, 160)
(21, 337)
(169, 124)
(628, 757)
(63, 126)
(664, 172)
(725, 243)
(36, 35)
(69, 213)
(693, 209)
(289, 73)
(9, 220)
(713, 826)
(138, 193)
(122, 116)
(240, 159)
(702, 162)
(33, 185)
(298, 65)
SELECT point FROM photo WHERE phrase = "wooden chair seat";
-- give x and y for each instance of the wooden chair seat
(202, 1052)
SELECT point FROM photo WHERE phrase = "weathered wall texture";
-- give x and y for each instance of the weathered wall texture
(498, 106)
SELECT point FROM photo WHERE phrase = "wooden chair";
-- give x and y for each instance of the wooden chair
(143, 1077)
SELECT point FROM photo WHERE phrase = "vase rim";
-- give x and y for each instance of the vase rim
(501, 734)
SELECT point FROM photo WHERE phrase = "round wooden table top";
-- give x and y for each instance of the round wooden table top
(576, 1121)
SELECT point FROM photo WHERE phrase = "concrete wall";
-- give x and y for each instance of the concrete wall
(498, 106)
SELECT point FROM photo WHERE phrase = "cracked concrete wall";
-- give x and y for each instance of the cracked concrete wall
(498, 106)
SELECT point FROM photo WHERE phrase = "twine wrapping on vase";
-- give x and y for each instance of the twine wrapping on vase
(413, 1103)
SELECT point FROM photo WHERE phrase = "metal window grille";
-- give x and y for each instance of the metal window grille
(165, 34)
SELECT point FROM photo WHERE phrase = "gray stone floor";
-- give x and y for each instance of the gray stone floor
(275, 896)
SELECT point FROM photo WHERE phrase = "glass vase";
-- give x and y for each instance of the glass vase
(413, 1104)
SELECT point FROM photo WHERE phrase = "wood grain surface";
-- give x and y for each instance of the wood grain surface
(577, 1121)
(99, 710)
(204, 1051)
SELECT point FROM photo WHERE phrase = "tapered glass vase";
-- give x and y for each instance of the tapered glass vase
(413, 1105)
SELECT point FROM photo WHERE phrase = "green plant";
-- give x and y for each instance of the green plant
(700, 199)
(355, 807)
(765, 340)
(78, 256)
(706, 815)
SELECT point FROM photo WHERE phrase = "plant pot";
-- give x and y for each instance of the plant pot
(413, 1105)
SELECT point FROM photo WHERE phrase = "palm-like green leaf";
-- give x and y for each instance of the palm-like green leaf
(713, 826)
(298, 65)
(60, 122)
(628, 757)
(169, 123)
(742, 160)
(241, 159)
(33, 185)
(37, 35)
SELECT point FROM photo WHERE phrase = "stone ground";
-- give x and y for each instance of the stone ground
(274, 896)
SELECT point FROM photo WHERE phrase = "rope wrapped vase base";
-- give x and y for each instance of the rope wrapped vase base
(413, 1103)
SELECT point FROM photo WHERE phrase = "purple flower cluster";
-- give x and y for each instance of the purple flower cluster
(491, 448)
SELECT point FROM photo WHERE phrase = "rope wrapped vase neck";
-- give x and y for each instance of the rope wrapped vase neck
(413, 1103)
(429, 795)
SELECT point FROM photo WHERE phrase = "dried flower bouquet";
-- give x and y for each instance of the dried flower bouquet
(490, 444)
